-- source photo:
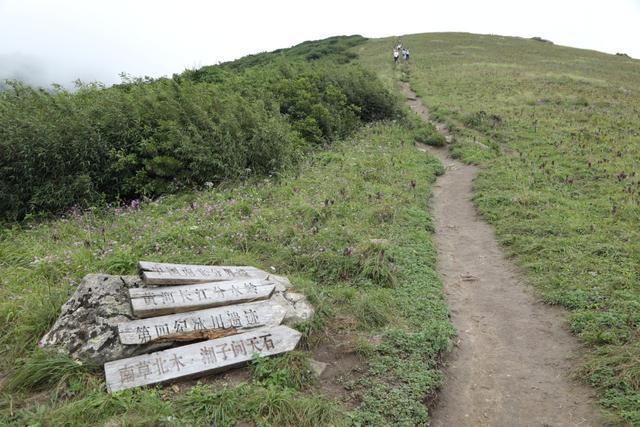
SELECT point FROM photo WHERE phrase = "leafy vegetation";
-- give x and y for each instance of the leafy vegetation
(337, 49)
(291, 370)
(427, 134)
(556, 130)
(152, 137)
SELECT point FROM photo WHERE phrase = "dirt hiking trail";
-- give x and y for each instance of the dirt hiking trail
(511, 363)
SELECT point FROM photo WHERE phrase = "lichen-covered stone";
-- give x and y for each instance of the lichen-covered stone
(87, 326)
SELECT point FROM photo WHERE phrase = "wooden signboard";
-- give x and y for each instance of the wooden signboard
(202, 324)
(155, 301)
(200, 358)
(154, 273)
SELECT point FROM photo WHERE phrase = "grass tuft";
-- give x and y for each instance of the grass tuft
(290, 370)
(377, 265)
(42, 370)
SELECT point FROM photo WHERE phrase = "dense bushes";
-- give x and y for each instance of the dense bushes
(317, 108)
(60, 149)
(335, 49)
(321, 100)
(145, 137)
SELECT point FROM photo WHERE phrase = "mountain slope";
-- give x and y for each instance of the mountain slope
(556, 130)
(347, 223)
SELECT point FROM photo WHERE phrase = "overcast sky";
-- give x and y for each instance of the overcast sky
(61, 40)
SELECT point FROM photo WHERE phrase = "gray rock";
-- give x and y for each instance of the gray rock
(87, 327)
(317, 367)
(294, 297)
(298, 307)
(282, 282)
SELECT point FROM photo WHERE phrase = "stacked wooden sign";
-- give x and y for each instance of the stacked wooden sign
(229, 310)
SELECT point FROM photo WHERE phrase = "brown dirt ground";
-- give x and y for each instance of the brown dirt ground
(511, 363)
(337, 349)
(342, 366)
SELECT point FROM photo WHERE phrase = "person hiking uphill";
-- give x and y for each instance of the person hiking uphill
(396, 55)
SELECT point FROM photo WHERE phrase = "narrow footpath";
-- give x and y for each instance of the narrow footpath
(511, 363)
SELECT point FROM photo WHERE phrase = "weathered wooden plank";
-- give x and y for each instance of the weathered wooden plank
(209, 323)
(154, 273)
(155, 301)
(200, 358)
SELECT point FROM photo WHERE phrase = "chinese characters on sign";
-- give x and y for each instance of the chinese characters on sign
(162, 274)
(148, 302)
(230, 307)
(199, 293)
(222, 319)
(210, 355)
(202, 357)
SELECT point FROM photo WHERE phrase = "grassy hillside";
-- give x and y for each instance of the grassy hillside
(344, 222)
(557, 131)
(383, 297)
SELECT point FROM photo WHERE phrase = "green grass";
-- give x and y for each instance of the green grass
(43, 370)
(346, 227)
(559, 180)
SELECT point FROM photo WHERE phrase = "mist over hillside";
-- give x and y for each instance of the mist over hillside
(39, 72)
(15, 66)
(32, 71)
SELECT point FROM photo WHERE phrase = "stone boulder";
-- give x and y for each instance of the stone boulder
(87, 327)
(298, 307)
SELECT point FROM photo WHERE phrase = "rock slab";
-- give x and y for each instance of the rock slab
(87, 328)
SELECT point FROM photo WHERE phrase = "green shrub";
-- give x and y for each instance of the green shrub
(146, 138)
(378, 266)
(428, 134)
(334, 49)
(365, 90)
(150, 137)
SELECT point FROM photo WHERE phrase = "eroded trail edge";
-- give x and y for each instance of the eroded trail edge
(513, 356)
